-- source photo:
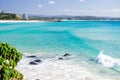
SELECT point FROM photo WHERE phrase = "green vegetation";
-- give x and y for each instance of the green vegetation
(9, 57)
(9, 16)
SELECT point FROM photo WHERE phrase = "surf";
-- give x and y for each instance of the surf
(107, 61)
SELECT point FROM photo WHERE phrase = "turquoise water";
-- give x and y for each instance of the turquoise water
(86, 38)
(82, 38)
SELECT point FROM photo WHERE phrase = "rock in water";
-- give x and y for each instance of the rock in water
(33, 63)
(32, 56)
(60, 58)
(66, 55)
(91, 59)
(38, 60)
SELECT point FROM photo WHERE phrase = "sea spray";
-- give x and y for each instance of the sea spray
(107, 61)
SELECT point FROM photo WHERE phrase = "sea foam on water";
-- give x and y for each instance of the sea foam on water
(53, 69)
(106, 60)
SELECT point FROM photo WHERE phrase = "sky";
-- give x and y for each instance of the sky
(63, 7)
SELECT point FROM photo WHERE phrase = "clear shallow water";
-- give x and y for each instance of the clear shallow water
(84, 39)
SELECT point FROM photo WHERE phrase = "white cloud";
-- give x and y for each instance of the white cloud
(82, 10)
(51, 2)
(67, 10)
(76, 10)
(111, 10)
(82, 0)
(115, 10)
(39, 5)
(93, 7)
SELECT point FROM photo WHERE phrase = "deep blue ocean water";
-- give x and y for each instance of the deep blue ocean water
(85, 39)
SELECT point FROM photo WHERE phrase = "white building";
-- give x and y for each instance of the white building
(25, 17)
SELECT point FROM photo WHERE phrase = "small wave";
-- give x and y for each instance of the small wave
(107, 61)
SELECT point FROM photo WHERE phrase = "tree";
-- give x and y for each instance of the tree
(9, 16)
(2, 12)
(17, 17)
(9, 57)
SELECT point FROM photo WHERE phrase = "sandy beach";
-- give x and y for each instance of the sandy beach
(3, 21)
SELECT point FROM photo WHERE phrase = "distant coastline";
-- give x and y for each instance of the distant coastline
(3, 21)
(65, 17)
(90, 20)
(13, 17)
(14, 21)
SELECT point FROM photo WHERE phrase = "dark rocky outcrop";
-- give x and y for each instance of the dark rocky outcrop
(31, 56)
(33, 63)
(60, 58)
(91, 59)
(65, 55)
(37, 60)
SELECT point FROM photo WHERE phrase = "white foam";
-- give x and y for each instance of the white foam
(106, 60)
(50, 69)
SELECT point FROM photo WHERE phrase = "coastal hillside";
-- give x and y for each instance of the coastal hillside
(9, 16)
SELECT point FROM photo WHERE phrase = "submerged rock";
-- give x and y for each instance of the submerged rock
(33, 63)
(92, 59)
(38, 60)
(66, 55)
(60, 58)
(31, 56)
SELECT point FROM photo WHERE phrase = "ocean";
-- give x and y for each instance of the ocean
(83, 40)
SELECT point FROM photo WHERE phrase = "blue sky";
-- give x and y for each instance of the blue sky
(63, 7)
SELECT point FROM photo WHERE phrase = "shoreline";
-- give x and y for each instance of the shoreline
(5, 21)
(14, 21)
(51, 68)
(90, 20)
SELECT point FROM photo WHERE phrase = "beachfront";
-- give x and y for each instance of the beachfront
(13, 21)
(49, 41)
(60, 40)
(54, 69)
